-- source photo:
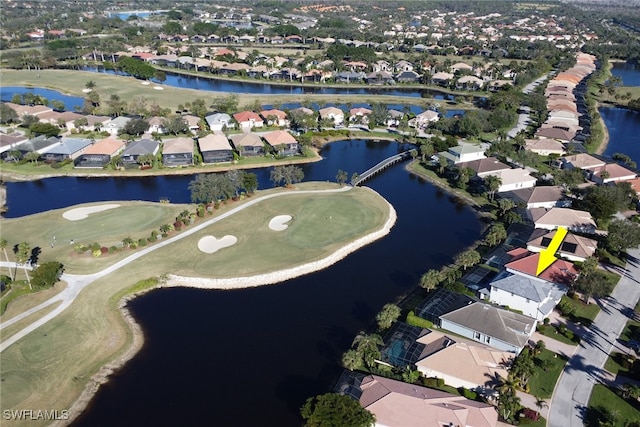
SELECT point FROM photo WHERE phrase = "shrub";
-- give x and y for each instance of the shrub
(95, 246)
(469, 394)
(201, 211)
(104, 249)
(562, 329)
(546, 321)
(414, 320)
(152, 239)
(531, 414)
(113, 249)
(96, 252)
(142, 242)
(177, 225)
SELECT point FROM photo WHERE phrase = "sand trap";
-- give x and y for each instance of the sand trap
(279, 223)
(158, 88)
(146, 83)
(87, 90)
(209, 244)
(82, 213)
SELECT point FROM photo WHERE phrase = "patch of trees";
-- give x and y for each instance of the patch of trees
(288, 175)
(603, 201)
(338, 52)
(46, 129)
(136, 67)
(284, 30)
(7, 114)
(135, 127)
(333, 409)
(222, 186)
(46, 275)
(204, 28)
(623, 234)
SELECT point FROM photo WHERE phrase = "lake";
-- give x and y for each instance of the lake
(253, 356)
(628, 72)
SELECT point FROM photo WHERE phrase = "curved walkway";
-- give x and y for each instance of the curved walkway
(76, 283)
(571, 396)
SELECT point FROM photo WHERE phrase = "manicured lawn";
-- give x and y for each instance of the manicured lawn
(543, 382)
(604, 397)
(620, 363)
(585, 313)
(551, 332)
(17, 290)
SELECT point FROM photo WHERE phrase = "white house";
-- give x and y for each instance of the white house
(464, 153)
(218, 121)
(514, 179)
(332, 113)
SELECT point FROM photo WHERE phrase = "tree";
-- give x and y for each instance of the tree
(46, 129)
(333, 409)
(341, 177)
(430, 279)
(175, 125)
(468, 258)
(32, 156)
(7, 114)
(3, 246)
(250, 182)
(495, 235)
(90, 84)
(288, 175)
(594, 285)
(623, 234)
(508, 400)
(367, 346)
(603, 201)
(492, 183)
(22, 256)
(351, 359)
(226, 104)
(388, 315)
(47, 274)
(208, 188)
(136, 127)
(505, 205)
(146, 159)
(426, 150)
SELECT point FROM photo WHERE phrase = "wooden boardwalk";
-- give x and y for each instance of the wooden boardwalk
(390, 161)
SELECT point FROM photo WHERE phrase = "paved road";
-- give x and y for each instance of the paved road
(76, 283)
(571, 396)
(523, 118)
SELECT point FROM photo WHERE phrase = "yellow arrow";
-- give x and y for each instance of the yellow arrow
(548, 255)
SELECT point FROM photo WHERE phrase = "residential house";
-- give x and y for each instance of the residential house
(514, 179)
(442, 78)
(469, 83)
(544, 146)
(538, 197)
(138, 148)
(177, 152)
(459, 363)
(219, 121)
(498, 328)
(403, 65)
(461, 67)
(439, 302)
(350, 76)
(530, 295)
(464, 152)
(380, 78)
(248, 120)
(248, 144)
(334, 114)
(99, 154)
(582, 161)
(408, 77)
(555, 133)
(394, 117)
(359, 115)
(573, 247)
(424, 119)
(95, 123)
(215, 148)
(9, 142)
(283, 142)
(193, 122)
(28, 110)
(399, 404)
(484, 167)
(66, 149)
(611, 172)
(571, 219)
(115, 125)
(275, 117)
(156, 124)
(39, 144)
(526, 263)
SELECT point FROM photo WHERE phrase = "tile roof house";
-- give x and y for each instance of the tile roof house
(611, 172)
(248, 144)
(498, 328)
(571, 219)
(555, 133)
(98, 155)
(67, 148)
(463, 364)
(138, 148)
(177, 152)
(573, 247)
(464, 153)
(282, 141)
(484, 167)
(215, 148)
(248, 120)
(275, 117)
(538, 197)
(425, 118)
(219, 121)
(114, 125)
(332, 113)
(582, 161)
(398, 404)
(544, 146)
(561, 272)
(514, 179)
(528, 294)
(10, 142)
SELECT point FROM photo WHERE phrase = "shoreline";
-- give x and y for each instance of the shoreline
(602, 147)
(171, 281)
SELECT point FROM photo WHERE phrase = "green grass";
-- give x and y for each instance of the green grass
(543, 382)
(551, 332)
(603, 396)
(585, 313)
(17, 290)
(620, 364)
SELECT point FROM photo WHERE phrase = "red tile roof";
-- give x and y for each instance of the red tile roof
(560, 271)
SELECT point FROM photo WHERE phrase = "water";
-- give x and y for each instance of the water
(257, 87)
(629, 73)
(71, 103)
(209, 356)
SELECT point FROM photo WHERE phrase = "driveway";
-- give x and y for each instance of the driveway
(585, 368)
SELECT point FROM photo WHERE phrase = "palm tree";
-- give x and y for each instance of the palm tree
(388, 315)
(3, 246)
(430, 279)
(341, 177)
(492, 184)
(367, 346)
(351, 359)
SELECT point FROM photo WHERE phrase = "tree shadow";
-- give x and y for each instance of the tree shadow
(35, 255)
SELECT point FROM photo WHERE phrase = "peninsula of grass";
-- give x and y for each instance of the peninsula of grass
(72, 354)
(548, 367)
(584, 314)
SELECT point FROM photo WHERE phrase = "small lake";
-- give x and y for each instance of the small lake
(253, 356)
(628, 72)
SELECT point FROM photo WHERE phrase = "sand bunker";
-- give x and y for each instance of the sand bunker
(209, 244)
(146, 83)
(279, 223)
(82, 213)
(87, 90)
(158, 88)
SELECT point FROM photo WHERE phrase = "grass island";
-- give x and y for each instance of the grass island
(269, 237)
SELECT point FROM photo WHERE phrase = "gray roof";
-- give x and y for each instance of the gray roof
(246, 140)
(39, 143)
(142, 146)
(522, 286)
(506, 326)
(69, 146)
(178, 146)
(218, 118)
